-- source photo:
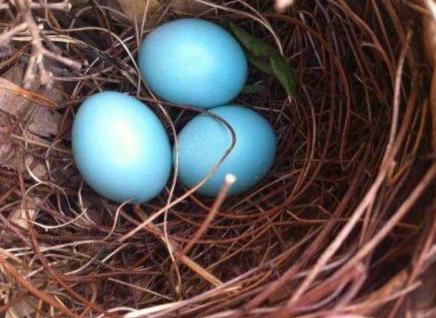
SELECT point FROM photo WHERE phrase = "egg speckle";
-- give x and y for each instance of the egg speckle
(120, 147)
(193, 62)
(204, 141)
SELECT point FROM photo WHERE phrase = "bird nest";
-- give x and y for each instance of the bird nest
(344, 224)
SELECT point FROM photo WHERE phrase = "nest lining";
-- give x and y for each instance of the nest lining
(334, 229)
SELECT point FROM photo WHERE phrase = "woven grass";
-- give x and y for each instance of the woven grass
(343, 226)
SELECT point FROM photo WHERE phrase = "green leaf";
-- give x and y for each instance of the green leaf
(253, 45)
(253, 88)
(262, 64)
(284, 74)
(267, 59)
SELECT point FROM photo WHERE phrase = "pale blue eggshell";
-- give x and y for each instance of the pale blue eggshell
(204, 140)
(193, 62)
(120, 147)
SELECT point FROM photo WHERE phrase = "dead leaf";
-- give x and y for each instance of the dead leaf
(10, 100)
(9, 88)
(5, 150)
(189, 6)
(6, 147)
(36, 166)
(15, 74)
(19, 216)
(11, 81)
(136, 8)
(45, 122)
(424, 298)
(24, 309)
(14, 100)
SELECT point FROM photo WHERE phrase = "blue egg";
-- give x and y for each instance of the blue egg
(193, 62)
(121, 148)
(204, 141)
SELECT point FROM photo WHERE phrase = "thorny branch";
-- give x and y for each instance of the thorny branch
(26, 23)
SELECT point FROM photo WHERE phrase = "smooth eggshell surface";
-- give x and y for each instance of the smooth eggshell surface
(193, 62)
(120, 147)
(204, 141)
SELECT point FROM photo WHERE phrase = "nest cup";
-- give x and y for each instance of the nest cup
(343, 224)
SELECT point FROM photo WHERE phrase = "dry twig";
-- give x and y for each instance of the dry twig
(40, 55)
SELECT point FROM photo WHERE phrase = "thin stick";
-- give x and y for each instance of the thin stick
(194, 266)
(21, 280)
(229, 180)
